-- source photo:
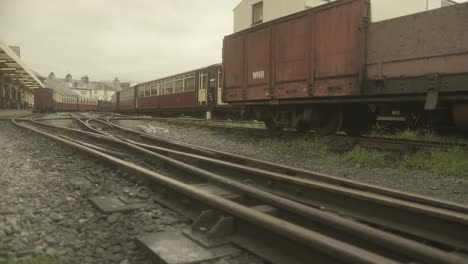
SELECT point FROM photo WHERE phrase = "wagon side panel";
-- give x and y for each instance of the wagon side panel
(293, 55)
(233, 57)
(413, 49)
(339, 42)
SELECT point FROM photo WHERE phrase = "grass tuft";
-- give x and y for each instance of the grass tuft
(366, 157)
(407, 134)
(452, 162)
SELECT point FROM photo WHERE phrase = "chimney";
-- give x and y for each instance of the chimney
(69, 78)
(16, 50)
(116, 81)
(85, 80)
(51, 76)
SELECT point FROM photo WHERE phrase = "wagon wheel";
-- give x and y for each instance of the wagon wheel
(272, 125)
(302, 127)
(460, 116)
(330, 122)
(358, 120)
(413, 120)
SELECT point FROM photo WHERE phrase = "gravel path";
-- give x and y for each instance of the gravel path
(424, 183)
(44, 218)
(5, 113)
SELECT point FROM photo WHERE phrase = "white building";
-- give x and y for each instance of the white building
(253, 12)
(387, 9)
(86, 88)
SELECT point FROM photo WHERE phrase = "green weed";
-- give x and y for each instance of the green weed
(366, 157)
(407, 134)
(42, 259)
(310, 147)
(452, 162)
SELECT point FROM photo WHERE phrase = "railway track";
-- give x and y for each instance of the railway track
(295, 214)
(364, 141)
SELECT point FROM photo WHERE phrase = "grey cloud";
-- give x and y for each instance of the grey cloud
(134, 40)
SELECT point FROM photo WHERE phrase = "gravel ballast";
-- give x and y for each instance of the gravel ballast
(45, 218)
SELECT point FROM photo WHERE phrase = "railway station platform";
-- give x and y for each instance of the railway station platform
(17, 81)
(9, 113)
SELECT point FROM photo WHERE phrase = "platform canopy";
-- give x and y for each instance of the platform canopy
(10, 64)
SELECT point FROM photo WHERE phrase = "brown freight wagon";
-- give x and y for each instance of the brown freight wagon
(329, 67)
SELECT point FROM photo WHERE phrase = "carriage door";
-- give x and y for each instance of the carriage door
(202, 88)
(219, 97)
(212, 86)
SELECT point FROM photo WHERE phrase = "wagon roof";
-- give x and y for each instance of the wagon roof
(182, 73)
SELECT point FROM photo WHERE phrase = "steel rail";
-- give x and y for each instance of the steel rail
(301, 173)
(439, 213)
(87, 125)
(386, 240)
(335, 198)
(375, 236)
(332, 248)
(363, 140)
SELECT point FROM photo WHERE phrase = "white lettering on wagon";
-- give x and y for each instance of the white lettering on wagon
(258, 75)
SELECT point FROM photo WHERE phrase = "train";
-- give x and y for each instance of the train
(53, 97)
(193, 92)
(327, 69)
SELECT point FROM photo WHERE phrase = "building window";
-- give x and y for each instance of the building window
(257, 13)
(447, 3)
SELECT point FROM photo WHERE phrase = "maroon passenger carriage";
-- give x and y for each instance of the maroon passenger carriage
(196, 91)
(56, 98)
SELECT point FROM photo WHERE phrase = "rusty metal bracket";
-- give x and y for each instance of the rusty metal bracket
(211, 229)
(432, 98)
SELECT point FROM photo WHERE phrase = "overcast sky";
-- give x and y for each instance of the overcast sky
(136, 40)
(131, 39)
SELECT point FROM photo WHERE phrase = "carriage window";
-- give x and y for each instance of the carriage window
(141, 92)
(168, 87)
(190, 84)
(203, 81)
(179, 86)
(161, 91)
(147, 91)
(154, 90)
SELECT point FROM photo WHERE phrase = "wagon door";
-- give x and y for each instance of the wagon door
(203, 88)
(339, 49)
(258, 57)
(294, 61)
(233, 68)
(219, 97)
(212, 87)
